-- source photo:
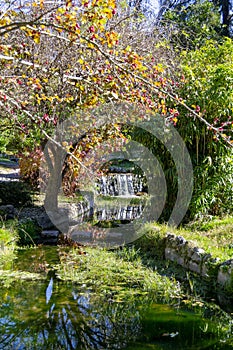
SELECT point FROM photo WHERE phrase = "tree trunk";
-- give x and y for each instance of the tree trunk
(55, 158)
(226, 18)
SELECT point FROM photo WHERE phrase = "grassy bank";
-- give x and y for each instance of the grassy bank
(118, 273)
(136, 269)
(214, 236)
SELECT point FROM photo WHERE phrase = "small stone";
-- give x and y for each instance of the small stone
(204, 270)
(50, 233)
(194, 267)
(7, 211)
(171, 254)
(225, 272)
(198, 255)
(180, 240)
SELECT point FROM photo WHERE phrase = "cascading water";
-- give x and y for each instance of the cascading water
(120, 184)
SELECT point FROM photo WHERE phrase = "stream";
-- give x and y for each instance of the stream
(56, 315)
(51, 314)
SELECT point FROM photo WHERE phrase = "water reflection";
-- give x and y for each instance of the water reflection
(63, 317)
(55, 315)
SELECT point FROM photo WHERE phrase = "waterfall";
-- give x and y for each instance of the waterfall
(120, 184)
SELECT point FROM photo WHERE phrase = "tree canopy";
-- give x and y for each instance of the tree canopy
(60, 58)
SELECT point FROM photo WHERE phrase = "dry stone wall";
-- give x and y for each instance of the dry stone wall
(192, 258)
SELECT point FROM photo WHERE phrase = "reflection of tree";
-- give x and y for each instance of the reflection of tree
(67, 316)
(68, 319)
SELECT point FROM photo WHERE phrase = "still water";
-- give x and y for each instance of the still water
(51, 314)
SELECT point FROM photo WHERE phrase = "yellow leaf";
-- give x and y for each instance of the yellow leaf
(41, 4)
(61, 10)
(37, 39)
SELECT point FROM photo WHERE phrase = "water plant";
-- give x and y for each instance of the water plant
(106, 272)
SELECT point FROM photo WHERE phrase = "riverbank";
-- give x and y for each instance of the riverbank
(175, 254)
(36, 280)
(202, 251)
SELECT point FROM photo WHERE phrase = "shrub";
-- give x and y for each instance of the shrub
(15, 193)
(29, 165)
(28, 233)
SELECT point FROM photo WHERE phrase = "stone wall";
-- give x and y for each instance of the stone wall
(192, 258)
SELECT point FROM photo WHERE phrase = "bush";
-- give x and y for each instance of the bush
(213, 190)
(28, 233)
(29, 165)
(15, 193)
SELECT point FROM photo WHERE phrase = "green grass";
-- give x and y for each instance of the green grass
(215, 236)
(8, 240)
(213, 223)
(117, 273)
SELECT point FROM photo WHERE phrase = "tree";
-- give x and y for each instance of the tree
(200, 19)
(59, 59)
(208, 88)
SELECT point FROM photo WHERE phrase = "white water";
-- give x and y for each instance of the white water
(120, 185)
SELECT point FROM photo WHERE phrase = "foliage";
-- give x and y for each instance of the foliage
(103, 271)
(208, 85)
(194, 23)
(29, 165)
(7, 247)
(63, 59)
(208, 88)
(213, 193)
(3, 144)
(67, 58)
(93, 64)
(28, 233)
(15, 193)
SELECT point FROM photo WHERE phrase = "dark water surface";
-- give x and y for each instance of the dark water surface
(56, 315)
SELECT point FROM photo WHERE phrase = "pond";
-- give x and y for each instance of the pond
(51, 314)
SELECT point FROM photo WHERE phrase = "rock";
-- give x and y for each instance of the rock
(198, 255)
(44, 221)
(194, 267)
(171, 254)
(7, 211)
(50, 233)
(225, 272)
